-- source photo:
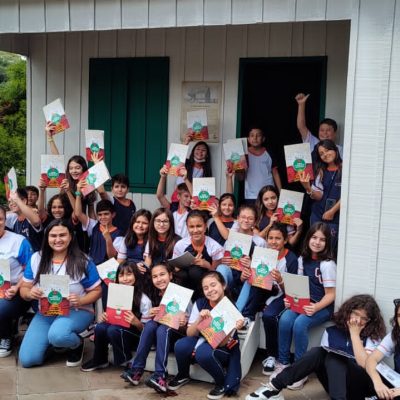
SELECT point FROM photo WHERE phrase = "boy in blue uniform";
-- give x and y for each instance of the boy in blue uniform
(124, 208)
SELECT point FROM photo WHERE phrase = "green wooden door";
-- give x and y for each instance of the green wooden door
(128, 99)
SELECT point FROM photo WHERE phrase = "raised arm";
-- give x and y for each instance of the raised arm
(41, 202)
(82, 217)
(49, 130)
(381, 389)
(161, 188)
(301, 99)
(29, 213)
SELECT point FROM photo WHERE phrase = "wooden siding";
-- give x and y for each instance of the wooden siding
(26, 16)
(59, 67)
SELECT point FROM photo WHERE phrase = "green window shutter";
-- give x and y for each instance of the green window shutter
(128, 99)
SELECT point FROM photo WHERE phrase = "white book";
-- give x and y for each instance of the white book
(297, 291)
(236, 246)
(54, 113)
(94, 143)
(176, 157)
(289, 206)
(52, 169)
(95, 176)
(185, 260)
(298, 159)
(107, 270)
(173, 305)
(244, 144)
(119, 299)
(235, 155)
(10, 181)
(5, 276)
(203, 193)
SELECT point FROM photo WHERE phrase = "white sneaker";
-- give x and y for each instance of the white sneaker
(268, 365)
(5, 347)
(279, 367)
(266, 392)
(298, 385)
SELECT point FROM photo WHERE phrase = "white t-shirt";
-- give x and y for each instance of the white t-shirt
(180, 223)
(213, 248)
(387, 346)
(313, 140)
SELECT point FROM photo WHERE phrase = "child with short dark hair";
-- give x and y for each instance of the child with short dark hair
(124, 207)
(179, 209)
(24, 219)
(262, 168)
(33, 195)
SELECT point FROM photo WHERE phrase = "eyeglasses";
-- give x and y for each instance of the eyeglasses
(396, 302)
(161, 221)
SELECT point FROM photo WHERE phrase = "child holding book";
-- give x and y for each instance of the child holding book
(60, 255)
(156, 334)
(133, 244)
(123, 340)
(222, 363)
(236, 280)
(326, 189)
(390, 346)
(223, 217)
(179, 209)
(162, 238)
(16, 250)
(271, 301)
(208, 253)
(23, 219)
(316, 262)
(339, 362)
(266, 205)
(262, 169)
(327, 127)
(124, 207)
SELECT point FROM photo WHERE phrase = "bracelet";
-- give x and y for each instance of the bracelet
(50, 139)
(77, 193)
(280, 283)
(310, 192)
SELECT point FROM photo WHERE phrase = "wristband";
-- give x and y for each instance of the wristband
(77, 193)
(310, 192)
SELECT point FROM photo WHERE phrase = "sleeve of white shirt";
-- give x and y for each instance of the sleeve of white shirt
(179, 248)
(310, 138)
(122, 250)
(386, 347)
(11, 218)
(317, 185)
(216, 250)
(194, 315)
(91, 223)
(146, 250)
(145, 306)
(328, 273)
(300, 268)
(324, 339)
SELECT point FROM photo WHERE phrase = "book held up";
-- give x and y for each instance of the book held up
(95, 176)
(298, 159)
(221, 323)
(5, 277)
(235, 155)
(55, 295)
(119, 300)
(108, 270)
(263, 261)
(94, 144)
(54, 113)
(237, 246)
(173, 305)
(203, 193)
(197, 124)
(289, 206)
(10, 182)
(176, 158)
(297, 291)
(52, 169)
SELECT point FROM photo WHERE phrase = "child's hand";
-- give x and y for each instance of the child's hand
(304, 179)
(274, 218)
(14, 197)
(328, 215)
(106, 232)
(229, 172)
(239, 324)
(154, 311)
(164, 170)
(355, 326)
(95, 157)
(298, 223)
(142, 268)
(286, 302)
(311, 309)
(103, 317)
(245, 275)
(129, 317)
(42, 185)
(74, 300)
(81, 184)
(204, 314)
(50, 129)
(213, 210)
(64, 186)
(245, 262)
(182, 172)
(226, 260)
(188, 138)
(11, 292)
(301, 98)
(183, 319)
(276, 275)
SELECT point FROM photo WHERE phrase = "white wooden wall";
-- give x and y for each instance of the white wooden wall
(58, 66)
(20, 16)
(369, 251)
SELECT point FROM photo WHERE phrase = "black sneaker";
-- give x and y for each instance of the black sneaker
(6, 347)
(91, 365)
(75, 356)
(217, 393)
(158, 383)
(133, 376)
(177, 382)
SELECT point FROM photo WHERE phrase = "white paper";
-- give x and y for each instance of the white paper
(239, 240)
(389, 374)
(177, 153)
(262, 255)
(233, 147)
(12, 180)
(296, 286)
(178, 295)
(294, 152)
(229, 314)
(203, 185)
(196, 117)
(120, 297)
(5, 269)
(185, 260)
(107, 267)
(94, 136)
(60, 283)
(244, 144)
(55, 107)
(292, 198)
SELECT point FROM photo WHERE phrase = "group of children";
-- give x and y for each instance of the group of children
(73, 234)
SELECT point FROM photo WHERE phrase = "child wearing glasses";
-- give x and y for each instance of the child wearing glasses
(339, 362)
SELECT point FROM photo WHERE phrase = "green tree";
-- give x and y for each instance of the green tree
(12, 117)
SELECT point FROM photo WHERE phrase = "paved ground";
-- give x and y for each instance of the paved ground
(55, 381)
